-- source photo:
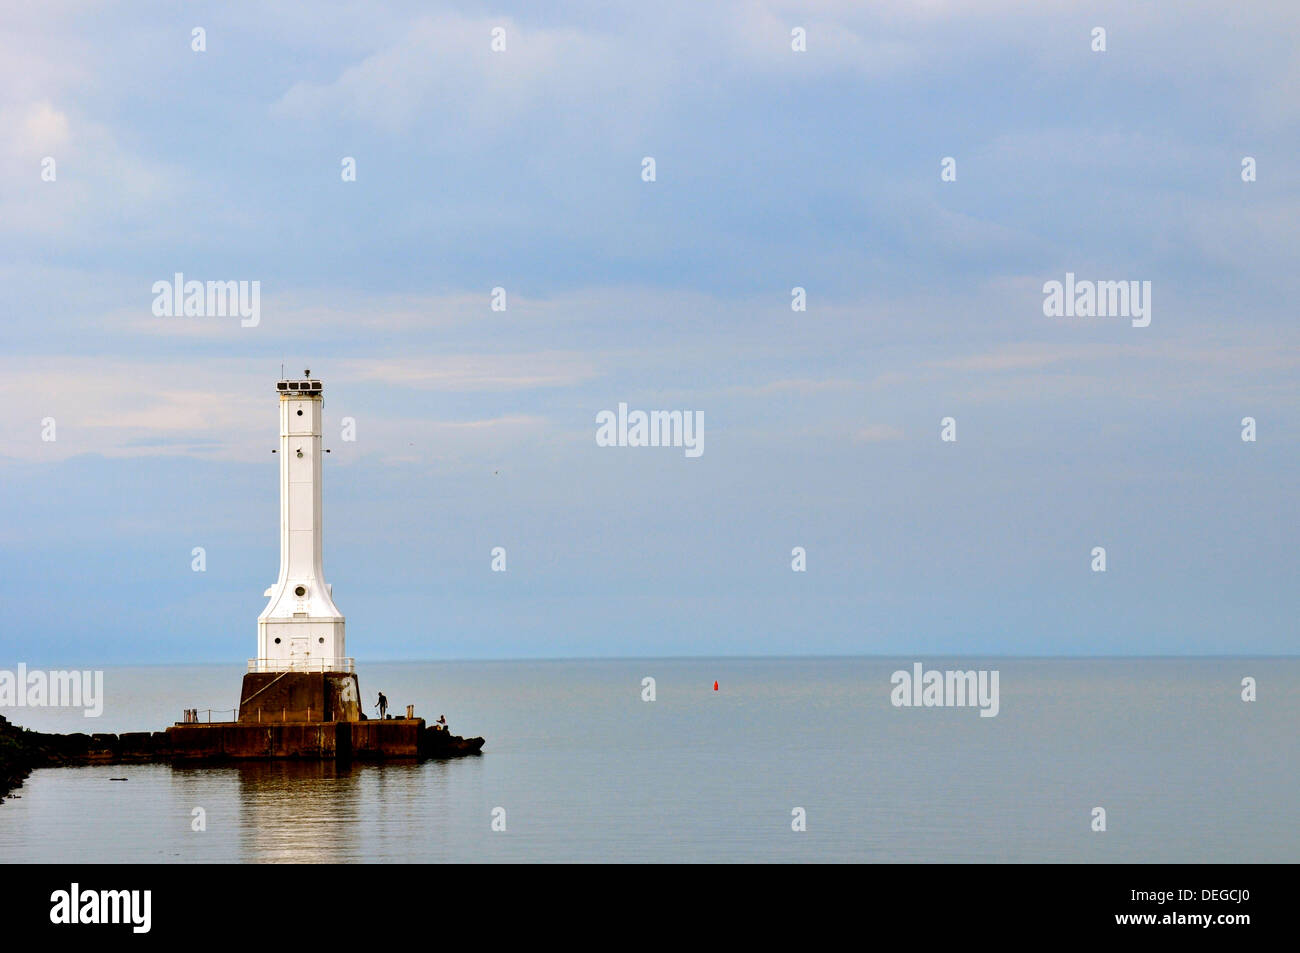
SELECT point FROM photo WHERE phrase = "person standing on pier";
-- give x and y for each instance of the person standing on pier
(382, 706)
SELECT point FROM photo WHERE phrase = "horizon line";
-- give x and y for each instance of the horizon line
(675, 658)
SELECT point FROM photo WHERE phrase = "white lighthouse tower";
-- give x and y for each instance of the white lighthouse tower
(300, 629)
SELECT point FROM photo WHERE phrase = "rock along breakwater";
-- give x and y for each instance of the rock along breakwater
(23, 750)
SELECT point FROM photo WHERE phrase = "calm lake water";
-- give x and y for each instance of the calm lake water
(587, 771)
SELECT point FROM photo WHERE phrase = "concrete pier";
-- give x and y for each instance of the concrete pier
(395, 738)
(310, 715)
(390, 739)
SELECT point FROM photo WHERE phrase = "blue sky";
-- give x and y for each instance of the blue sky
(775, 169)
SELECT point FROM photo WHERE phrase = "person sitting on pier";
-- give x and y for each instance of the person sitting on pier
(441, 722)
(383, 705)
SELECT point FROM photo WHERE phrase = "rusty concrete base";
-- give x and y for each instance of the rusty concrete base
(309, 697)
(319, 740)
(307, 715)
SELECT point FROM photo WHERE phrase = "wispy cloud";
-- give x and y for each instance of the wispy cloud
(476, 372)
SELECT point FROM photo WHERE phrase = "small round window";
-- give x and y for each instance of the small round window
(277, 641)
(300, 591)
(321, 640)
(300, 413)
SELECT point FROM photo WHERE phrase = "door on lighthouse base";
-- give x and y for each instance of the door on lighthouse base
(298, 653)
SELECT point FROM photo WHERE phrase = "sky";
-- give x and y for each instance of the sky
(775, 169)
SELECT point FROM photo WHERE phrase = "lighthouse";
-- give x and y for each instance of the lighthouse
(301, 697)
(300, 629)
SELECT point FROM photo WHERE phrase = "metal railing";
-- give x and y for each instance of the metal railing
(347, 665)
(269, 716)
(192, 715)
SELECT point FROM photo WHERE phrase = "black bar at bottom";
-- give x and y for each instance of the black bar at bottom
(209, 903)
